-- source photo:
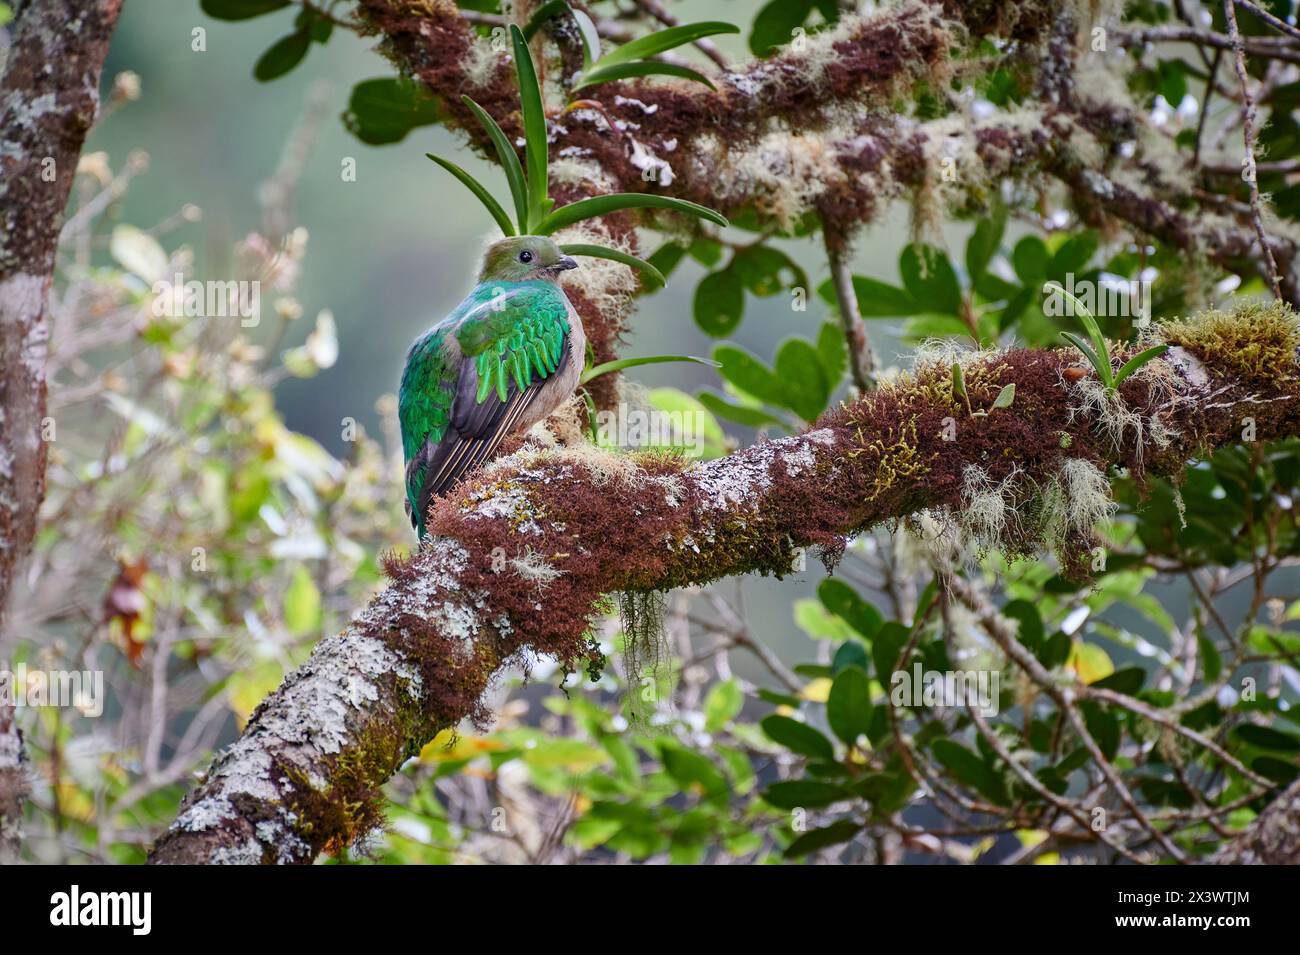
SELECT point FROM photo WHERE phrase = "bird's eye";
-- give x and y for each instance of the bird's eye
(525, 256)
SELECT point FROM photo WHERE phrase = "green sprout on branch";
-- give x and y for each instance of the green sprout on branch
(535, 212)
(1098, 354)
(631, 59)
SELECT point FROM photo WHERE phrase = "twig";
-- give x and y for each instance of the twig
(1248, 134)
(862, 363)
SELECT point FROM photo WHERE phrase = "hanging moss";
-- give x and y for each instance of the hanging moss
(647, 654)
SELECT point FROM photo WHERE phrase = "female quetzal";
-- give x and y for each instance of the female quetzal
(504, 359)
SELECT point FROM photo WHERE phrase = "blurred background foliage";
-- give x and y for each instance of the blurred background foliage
(219, 497)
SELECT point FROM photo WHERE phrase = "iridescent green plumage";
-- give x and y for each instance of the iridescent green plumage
(484, 371)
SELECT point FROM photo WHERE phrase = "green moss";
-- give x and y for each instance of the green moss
(1258, 341)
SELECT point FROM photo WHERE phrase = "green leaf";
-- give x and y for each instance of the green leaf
(740, 414)
(1266, 738)
(1073, 255)
(762, 270)
(983, 244)
(929, 278)
(1031, 624)
(621, 363)
(719, 303)
(1129, 681)
(283, 56)
(665, 40)
(722, 704)
(1138, 360)
(848, 708)
(320, 28)
(534, 113)
(302, 604)
(385, 110)
(797, 737)
(479, 191)
(970, 769)
(544, 13)
(700, 435)
(852, 653)
(878, 299)
(1005, 396)
(509, 162)
(240, 9)
(624, 71)
(1279, 770)
(833, 351)
(816, 839)
(1102, 368)
(748, 374)
(1211, 659)
(959, 382)
(804, 794)
(885, 649)
(819, 623)
(775, 23)
(1029, 259)
(667, 257)
(1085, 317)
(803, 380)
(846, 603)
(690, 769)
(615, 255)
(594, 206)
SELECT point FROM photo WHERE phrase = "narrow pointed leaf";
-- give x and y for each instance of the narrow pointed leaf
(1102, 367)
(620, 364)
(665, 40)
(1084, 315)
(1138, 360)
(479, 191)
(614, 255)
(534, 112)
(623, 71)
(544, 13)
(509, 160)
(590, 38)
(602, 205)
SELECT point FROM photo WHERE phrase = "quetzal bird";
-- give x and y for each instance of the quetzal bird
(504, 359)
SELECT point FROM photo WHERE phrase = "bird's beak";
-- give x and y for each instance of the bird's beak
(565, 263)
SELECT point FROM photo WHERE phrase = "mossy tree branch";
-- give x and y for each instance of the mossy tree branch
(522, 556)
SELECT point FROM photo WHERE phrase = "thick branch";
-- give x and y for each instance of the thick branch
(524, 553)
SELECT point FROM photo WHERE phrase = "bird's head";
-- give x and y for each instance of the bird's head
(523, 257)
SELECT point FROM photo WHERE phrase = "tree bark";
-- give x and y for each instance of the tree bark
(306, 773)
(49, 96)
(1272, 839)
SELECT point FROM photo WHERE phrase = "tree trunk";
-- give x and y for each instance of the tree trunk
(49, 95)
